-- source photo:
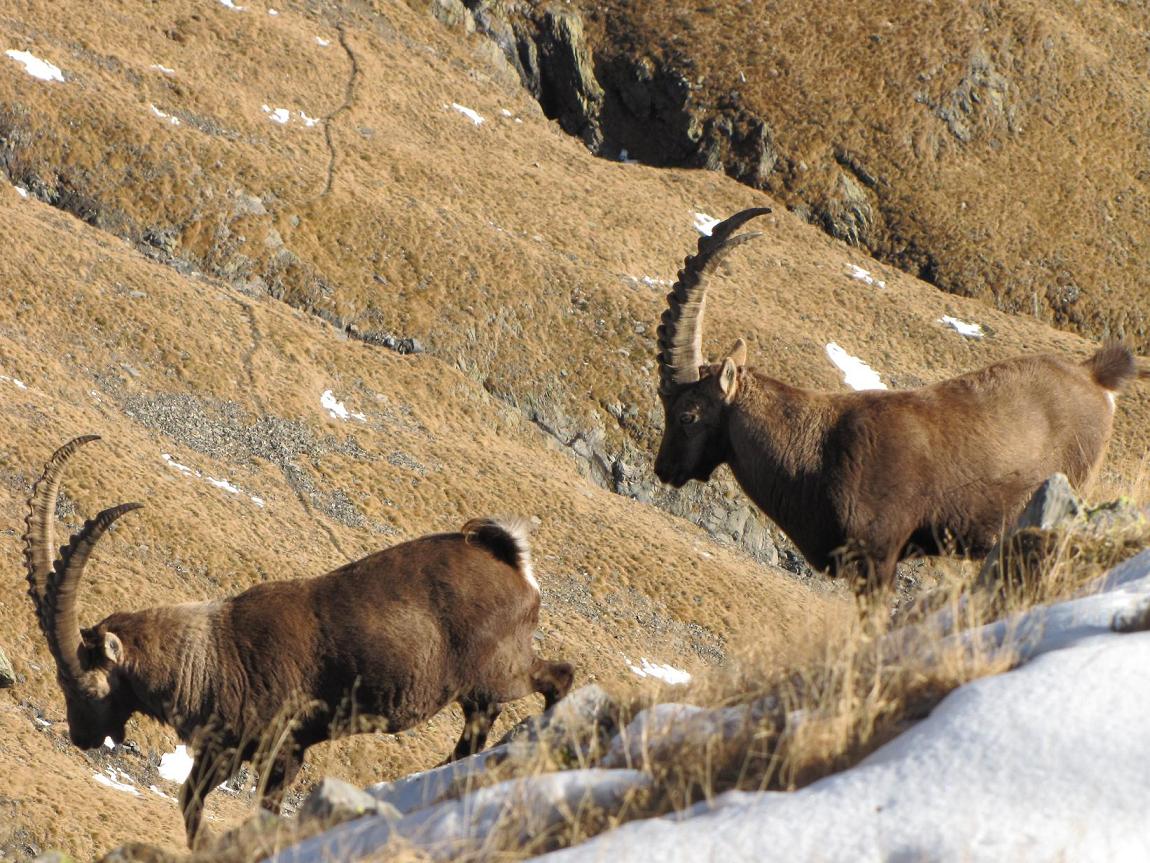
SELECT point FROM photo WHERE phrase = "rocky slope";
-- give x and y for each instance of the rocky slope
(997, 150)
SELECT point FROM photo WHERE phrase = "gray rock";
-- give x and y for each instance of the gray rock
(671, 730)
(418, 791)
(453, 14)
(54, 857)
(565, 63)
(847, 213)
(1137, 621)
(248, 205)
(334, 801)
(7, 673)
(581, 720)
(1054, 506)
(478, 822)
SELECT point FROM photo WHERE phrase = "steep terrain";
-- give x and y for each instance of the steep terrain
(997, 150)
(412, 301)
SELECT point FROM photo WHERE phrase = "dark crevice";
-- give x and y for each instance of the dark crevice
(348, 101)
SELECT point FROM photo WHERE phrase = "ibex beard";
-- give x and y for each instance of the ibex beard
(381, 643)
(860, 480)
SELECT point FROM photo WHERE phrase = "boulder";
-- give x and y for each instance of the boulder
(334, 801)
(7, 673)
(578, 724)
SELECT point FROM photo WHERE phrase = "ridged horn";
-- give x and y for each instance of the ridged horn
(60, 596)
(681, 328)
(40, 525)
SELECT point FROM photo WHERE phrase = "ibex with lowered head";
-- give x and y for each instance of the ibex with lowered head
(382, 643)
(860, 480)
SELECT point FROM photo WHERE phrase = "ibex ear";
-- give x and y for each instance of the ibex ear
(738, 353)
(113, 648)
(728, 380)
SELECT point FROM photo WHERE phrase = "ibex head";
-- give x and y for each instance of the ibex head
(695, 394)
(88, 661)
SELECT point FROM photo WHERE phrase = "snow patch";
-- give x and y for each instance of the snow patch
(36, 67)
(273, 12)
(175, 121)
(160, 68)
(176, 765)
(662, 671)
(182, 468)
(971, 331)
(160, 793)
(323, 43)
(223, 483)
(471, 114)
(704, 224)
(16, 382)
(856, 374)
(218, 483)
(109, 743)
(231, 5)
(455, 829)
(283, 116)
(1044, 762)
(277, 115)
(21, 191)
(420, 790)
(857, 272)
(108, 778)
(336, 409)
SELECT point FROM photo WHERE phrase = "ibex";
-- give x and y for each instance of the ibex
(382, 643)
(860, 480)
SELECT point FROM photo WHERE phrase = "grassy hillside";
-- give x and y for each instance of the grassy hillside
(997, 150)
(192, 290)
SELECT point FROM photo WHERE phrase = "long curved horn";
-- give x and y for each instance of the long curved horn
(60, 595)
(39, 540)
(681, 328)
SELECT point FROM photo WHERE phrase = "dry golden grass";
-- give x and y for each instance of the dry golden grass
(513, 255)
(998, 148)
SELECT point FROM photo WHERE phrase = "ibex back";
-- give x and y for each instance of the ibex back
(860, 480)
(382, 643)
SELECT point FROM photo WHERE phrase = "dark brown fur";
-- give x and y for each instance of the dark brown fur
(382, 643)
(861, 480)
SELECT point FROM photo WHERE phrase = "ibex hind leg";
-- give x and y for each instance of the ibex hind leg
(552, 680)
(478, 717)
(211, 767)
(867, 569)
(280, 775)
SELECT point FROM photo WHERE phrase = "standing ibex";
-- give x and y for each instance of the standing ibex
(866, 478)
(382, 643)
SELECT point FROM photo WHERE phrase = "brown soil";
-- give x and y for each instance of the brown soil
(174, 289)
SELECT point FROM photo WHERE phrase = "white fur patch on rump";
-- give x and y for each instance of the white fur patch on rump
(519, 529)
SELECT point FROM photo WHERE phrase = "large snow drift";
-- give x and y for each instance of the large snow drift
(1046, 762)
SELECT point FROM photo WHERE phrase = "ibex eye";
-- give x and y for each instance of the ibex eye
(687, 419)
